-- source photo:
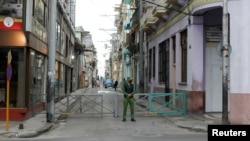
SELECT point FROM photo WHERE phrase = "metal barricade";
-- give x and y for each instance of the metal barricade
(146, 104)
(176, 105)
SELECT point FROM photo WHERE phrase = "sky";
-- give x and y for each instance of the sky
(97, 17)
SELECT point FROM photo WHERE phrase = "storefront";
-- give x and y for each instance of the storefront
(27, 83)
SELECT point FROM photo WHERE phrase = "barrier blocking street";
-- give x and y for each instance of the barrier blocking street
(146, 104)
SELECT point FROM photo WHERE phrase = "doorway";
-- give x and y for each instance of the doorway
(213, 79)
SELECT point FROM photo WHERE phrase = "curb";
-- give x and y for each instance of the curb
(31, 134)
(186, 124)
(43, 129)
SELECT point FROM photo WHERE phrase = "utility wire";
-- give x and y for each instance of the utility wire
(97, 7)
(106, 32)
(108, 17)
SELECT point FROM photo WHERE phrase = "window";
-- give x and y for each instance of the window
(17, 77)
(40, 19)
(153, 62)
(62, 78)
(167, 63)
(184, 56)
(63, 43)
(11, 8)
(174, 49)
(150, 64)
(59, 78)
(58, 36)
(162, 62)
(39, 12)
(37, 71)
(67, 49)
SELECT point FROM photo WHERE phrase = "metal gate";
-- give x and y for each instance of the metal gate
(176, 105)
(146, 104)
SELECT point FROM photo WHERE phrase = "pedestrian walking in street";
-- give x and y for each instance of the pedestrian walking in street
(128, 91)
(93, 83)
(115, 84)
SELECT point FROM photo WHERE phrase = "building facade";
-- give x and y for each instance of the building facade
(24, 33)
(91, 59)
(182, 51)
(87, 59)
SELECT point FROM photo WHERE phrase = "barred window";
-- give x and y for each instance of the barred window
(184, 56)
(150, 64)
(153, 62)
(162, 61)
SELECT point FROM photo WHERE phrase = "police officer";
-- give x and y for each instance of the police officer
(128, 91)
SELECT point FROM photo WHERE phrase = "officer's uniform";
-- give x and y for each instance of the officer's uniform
(128, 88)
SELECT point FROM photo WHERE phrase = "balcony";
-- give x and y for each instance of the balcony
(135, 20)
(128, 39)
(145, 28)
(133, 47)
(150, 21)
(158, 11)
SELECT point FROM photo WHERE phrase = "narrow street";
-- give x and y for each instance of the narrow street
(107, 127)
(63, 63)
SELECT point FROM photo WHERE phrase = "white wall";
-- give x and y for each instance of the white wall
(195, 54)
(240, 43)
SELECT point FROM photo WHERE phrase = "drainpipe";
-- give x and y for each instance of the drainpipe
(141, 72)
(225, 64)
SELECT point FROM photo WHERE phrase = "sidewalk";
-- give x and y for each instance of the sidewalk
(37, 125)
(196, 122)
